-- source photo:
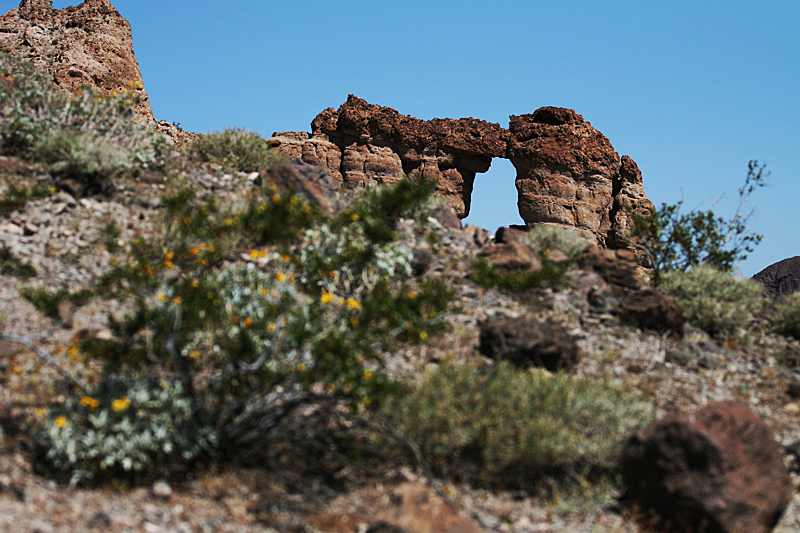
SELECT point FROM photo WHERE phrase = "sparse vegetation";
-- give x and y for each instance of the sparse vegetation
(713, 300)
(234, 149)
(85, 137)
(669, 240)
(786, 320)
(10, 265)
(500, 426)
(543, 239)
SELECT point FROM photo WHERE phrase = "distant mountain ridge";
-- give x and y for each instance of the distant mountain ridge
(781, 278)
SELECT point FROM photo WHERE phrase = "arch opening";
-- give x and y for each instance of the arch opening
(494, 197)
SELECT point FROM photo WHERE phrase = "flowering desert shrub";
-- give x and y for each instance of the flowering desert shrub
(255, 322)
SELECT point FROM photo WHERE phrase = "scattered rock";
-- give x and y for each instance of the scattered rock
(717, 468)
(617, 267)
(162, 490)
(527, 341)
(511, 234)
(417, 508)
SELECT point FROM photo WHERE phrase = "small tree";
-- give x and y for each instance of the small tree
(670, 240)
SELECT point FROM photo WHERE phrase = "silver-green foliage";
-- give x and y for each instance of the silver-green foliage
(542, 239)
(235, 149)
(713, 300)
(138, 425)
(506, 426)
(39, 121)
(786, 320)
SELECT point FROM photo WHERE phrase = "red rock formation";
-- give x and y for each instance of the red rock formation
(88, 44)
(568, 173)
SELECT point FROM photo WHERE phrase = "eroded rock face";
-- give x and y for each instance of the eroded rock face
(90, 44)
(568, 174)
(780, 278)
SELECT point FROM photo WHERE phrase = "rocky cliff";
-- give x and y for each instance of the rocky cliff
(88, 44)
(568, 174)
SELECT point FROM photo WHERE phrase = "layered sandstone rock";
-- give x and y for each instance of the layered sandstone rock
(88, 44)
(568, 174)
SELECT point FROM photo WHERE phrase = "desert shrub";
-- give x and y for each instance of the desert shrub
(501, 426)
(257, 322)
(713, 300)
(235, 149)
(669, 240)
(489, 276)
(125, 428)
(542, 239)
(11, 265)
(83, 135)
(15, 197)
(786, 320)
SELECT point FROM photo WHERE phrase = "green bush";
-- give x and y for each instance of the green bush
(500, 426)
(714, 301)
(126, 428)
(10, 265)
(235, 149)
(669, 240)
(489, 276)
(786, 320)
(542, 239)
(240, 314)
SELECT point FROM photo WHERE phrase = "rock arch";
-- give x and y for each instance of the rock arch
(568, 174)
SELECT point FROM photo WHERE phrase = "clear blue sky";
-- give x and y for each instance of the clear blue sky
(691, 90)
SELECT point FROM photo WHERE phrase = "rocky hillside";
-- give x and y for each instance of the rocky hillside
(215, 338)
(781, 278)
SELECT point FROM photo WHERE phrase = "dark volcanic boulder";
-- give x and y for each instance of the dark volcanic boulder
(717, 469)
(527, 341)
(780, 278)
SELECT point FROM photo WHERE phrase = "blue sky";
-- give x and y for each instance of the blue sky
(691, 90)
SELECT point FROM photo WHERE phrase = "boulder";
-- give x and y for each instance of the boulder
(89, 44)
(309, 182)
(649, 309)
(510, 256)
(526, 341)
(717, 469)
(568, 174)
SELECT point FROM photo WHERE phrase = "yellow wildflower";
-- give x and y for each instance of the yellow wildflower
(89, 402)
(286, 258)
(367, 400)
(248, 322)
(177, 300)
(195, 283)
(354, 218)
(352, 303)
(280, 276)
(276, 198)
(367, 374)
(271, 327)
(60, 421)
(264, 291)
(326, 298)
(194, 251)
(302, 367)
(423, 335)
(229, 221)
(194, 354)
(161, 297)
(120, 404)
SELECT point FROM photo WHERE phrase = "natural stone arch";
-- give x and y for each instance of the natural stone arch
(568, 173)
